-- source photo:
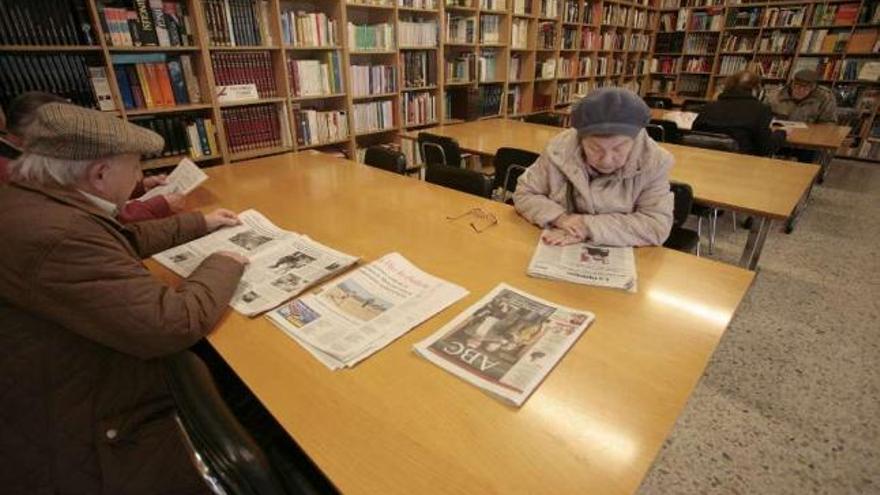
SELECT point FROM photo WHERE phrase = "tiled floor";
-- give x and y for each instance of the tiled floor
(790, 401)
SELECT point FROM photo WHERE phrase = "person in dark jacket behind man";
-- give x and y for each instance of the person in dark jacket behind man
(739, 114)
(83, 323)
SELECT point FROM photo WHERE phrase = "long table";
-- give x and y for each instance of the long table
(398, 424)
(762, 187)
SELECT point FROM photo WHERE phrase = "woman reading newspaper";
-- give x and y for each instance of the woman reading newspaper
(604, 181)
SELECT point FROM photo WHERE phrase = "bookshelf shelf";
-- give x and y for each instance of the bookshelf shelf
(355, 5)
(244, 155)
(151, 49)
(292, 48)
(232, 104)
(405, 48)
(459, 83)
(321, 145)
(417, 11)
(422, 88)
(219, 48)
(168, 161)
(373, 52)
(316, 97)
(50, 48)
(164, 110)
(377, 131)
(373, 97)
(423, 124)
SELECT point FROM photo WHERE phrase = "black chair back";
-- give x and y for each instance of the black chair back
(684, 201)
(658, 101)
(460, 179)
(710, 140)
(386, 159)
(226, 448)
(671, 132)
(510, 163)
(439, 150)
(656, 132)
(553, 119)
(692, 105)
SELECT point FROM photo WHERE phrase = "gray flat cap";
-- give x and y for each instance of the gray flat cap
(67, 131)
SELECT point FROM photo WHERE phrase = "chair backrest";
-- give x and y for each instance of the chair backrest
(710, 140)
(439, 150)
(656, 132)
(692, 105)
(553, 119)
(658, 101)
(386, 159)
(460, 179)
(510, 163)
(684, 201)
(224, 446)
(671, 132)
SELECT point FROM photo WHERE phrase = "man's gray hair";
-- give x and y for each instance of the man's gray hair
(43, 169)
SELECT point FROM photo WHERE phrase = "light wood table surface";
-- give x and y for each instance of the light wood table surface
(398, 424)
(766, 188)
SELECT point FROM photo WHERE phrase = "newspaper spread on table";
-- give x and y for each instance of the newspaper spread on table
(684, 120)
(788, 124)
(183, 179)
(350, 318)
(582, 263)
(507, 342)
(282, 263)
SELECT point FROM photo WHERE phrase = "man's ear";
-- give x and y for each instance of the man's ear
(97, 173)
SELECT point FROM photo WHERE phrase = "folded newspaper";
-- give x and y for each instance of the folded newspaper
(582, 263)
(354, 316)
(183, 179)
(282, 263)
(506, 343)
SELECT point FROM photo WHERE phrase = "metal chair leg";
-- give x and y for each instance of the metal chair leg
(713, 225)
(733, 214)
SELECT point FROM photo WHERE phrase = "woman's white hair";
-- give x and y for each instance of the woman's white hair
(42, 169)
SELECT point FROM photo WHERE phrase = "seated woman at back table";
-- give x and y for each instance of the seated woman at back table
(604, 181)
(741, 115)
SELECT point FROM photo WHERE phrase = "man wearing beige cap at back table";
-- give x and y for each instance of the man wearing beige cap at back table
(804, 100)
(82, 321)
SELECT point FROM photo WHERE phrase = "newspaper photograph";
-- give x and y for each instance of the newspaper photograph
(184, 179)
(582, 263)
(506, 343)
(282, 263)
(350, 318)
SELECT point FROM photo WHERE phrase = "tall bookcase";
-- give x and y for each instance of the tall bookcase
(341, 75)
(699, 42)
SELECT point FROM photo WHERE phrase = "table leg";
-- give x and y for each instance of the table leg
(801, 206)
(755, 242)
(825, 158)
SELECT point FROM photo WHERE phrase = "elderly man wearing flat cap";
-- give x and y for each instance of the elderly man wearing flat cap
(604, 181)
(82, 321)
(804, 100)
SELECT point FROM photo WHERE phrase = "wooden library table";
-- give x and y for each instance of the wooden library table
(398, 424)
(762, 187)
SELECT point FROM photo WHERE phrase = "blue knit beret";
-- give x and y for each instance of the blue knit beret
(610, 111)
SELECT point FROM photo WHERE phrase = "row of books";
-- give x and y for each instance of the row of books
(666, 65)
(547, 35)
(773, 67)
(549, 8)
(519, 33)
(570, 11)
(487, 63)
(749, 17)
(65, 75)
(828, 68)
(835, 14)
(515, 100)
(418, 33)
(692, 85)
(493, 4)
(668, 42)
(732, 64)
(155, 80)
(590, 39)
(231, 68)
(238, 22)
(460, 28)
(304, 29)
(419, 108)
(569, 38)
(315, 127)
(566, 67)
(372, 79)
(701, 43)
(184, 134)
(564, 92)
(515, 67)
(617, 15)
(490, 29)
(418, 4)
(252, 127)
(373, 116)
(419, 69)
(311, 77)
(698, 64)
(460, 68)
(366, 37)
(147, 23)
(45, 23)
(784, 17)
(738, 43)
(779, 42)
(705, 21)
(490, 100)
